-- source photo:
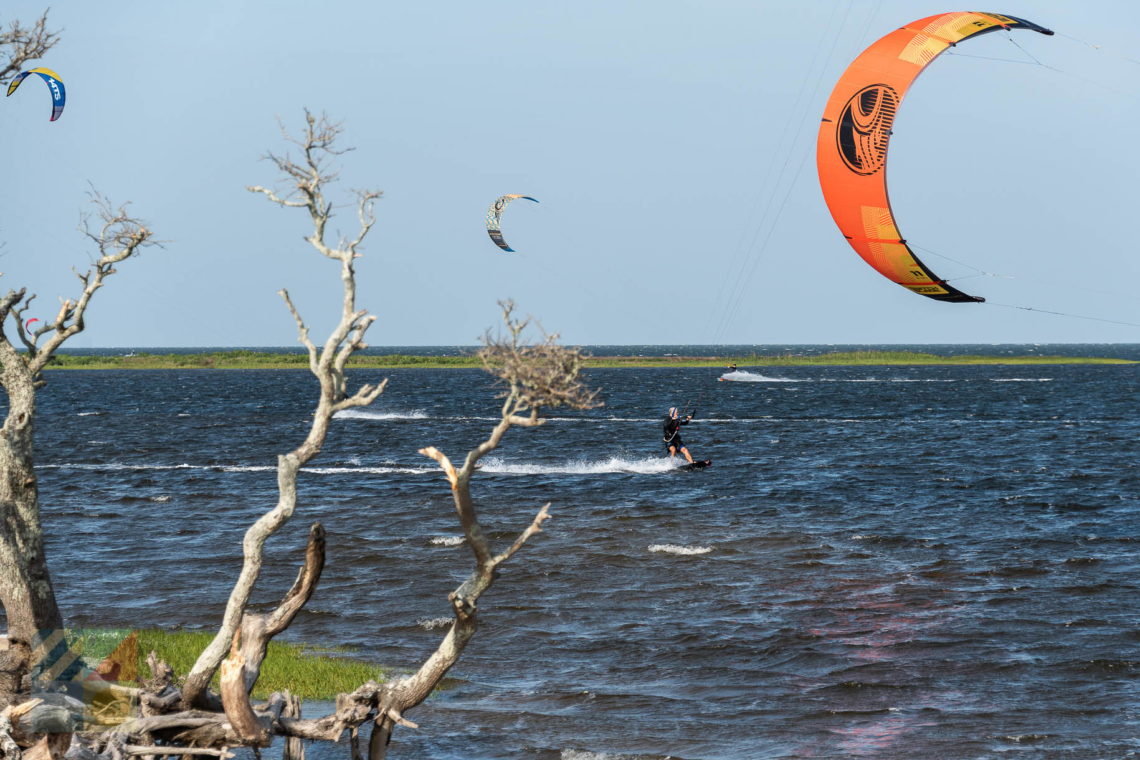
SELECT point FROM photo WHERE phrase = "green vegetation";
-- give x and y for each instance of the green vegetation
(245, 359)
(308, 672)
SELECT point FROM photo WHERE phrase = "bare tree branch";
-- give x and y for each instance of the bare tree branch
(20, 44)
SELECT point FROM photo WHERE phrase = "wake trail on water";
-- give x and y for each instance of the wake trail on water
(646, 466)
(375, 414)
(491, 465)
(420, 414)
(740, 376)
(386, 468)
(679, 550)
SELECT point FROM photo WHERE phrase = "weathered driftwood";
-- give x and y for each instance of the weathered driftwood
(294, 747)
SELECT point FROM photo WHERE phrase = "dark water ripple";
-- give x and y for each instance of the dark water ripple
(935, 562)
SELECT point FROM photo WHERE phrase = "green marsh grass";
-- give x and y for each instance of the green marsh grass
(309, 672)
(246, 359)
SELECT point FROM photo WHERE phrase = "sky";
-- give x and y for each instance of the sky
(670, 143)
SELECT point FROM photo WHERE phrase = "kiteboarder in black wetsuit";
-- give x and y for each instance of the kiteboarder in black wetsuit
(672, 433)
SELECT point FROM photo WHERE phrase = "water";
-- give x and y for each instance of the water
(911, 562)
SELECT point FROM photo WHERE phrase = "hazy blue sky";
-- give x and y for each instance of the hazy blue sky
(671, 145)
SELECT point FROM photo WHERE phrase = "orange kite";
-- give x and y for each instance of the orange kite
(853, 138)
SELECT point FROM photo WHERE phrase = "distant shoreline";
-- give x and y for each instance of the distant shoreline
(245, 359)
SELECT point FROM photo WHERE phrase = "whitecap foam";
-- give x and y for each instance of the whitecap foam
(1022, 379)
(115, 466)
(446, 540)
(161, 499)
(676, 549)
(89, 414)
(646, 466)
(376, 414)
(429, 624)
(740, 376)
(602, 419)
(383, 469)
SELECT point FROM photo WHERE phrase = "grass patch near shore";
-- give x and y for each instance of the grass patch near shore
(245, 359)
(309, 672)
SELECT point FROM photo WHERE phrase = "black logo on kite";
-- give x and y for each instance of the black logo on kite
(865, 128)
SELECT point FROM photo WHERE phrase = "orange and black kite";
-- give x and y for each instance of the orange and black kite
(852, 150)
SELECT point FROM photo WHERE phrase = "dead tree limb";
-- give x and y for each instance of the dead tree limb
(306, 181)
(239, 672)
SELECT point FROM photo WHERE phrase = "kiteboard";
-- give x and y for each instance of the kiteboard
(700, 464)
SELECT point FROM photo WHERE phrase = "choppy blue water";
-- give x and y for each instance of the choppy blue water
(924, 562)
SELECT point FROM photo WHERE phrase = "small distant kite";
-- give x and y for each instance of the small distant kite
(495, 214)
(54, 83)
(28, 324)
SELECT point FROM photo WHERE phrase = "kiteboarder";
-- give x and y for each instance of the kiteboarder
(672, 433)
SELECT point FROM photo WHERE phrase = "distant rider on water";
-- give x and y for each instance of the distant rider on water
(672, 433)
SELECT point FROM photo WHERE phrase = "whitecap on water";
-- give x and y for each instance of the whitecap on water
(645, 466)
(676, 549)
(585, 754)
(446, 540)
(376, 414)
(740, 376)
(429, 624)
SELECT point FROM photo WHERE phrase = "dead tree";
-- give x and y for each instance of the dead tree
(25, 583)
(306, 180)
(534, 377)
